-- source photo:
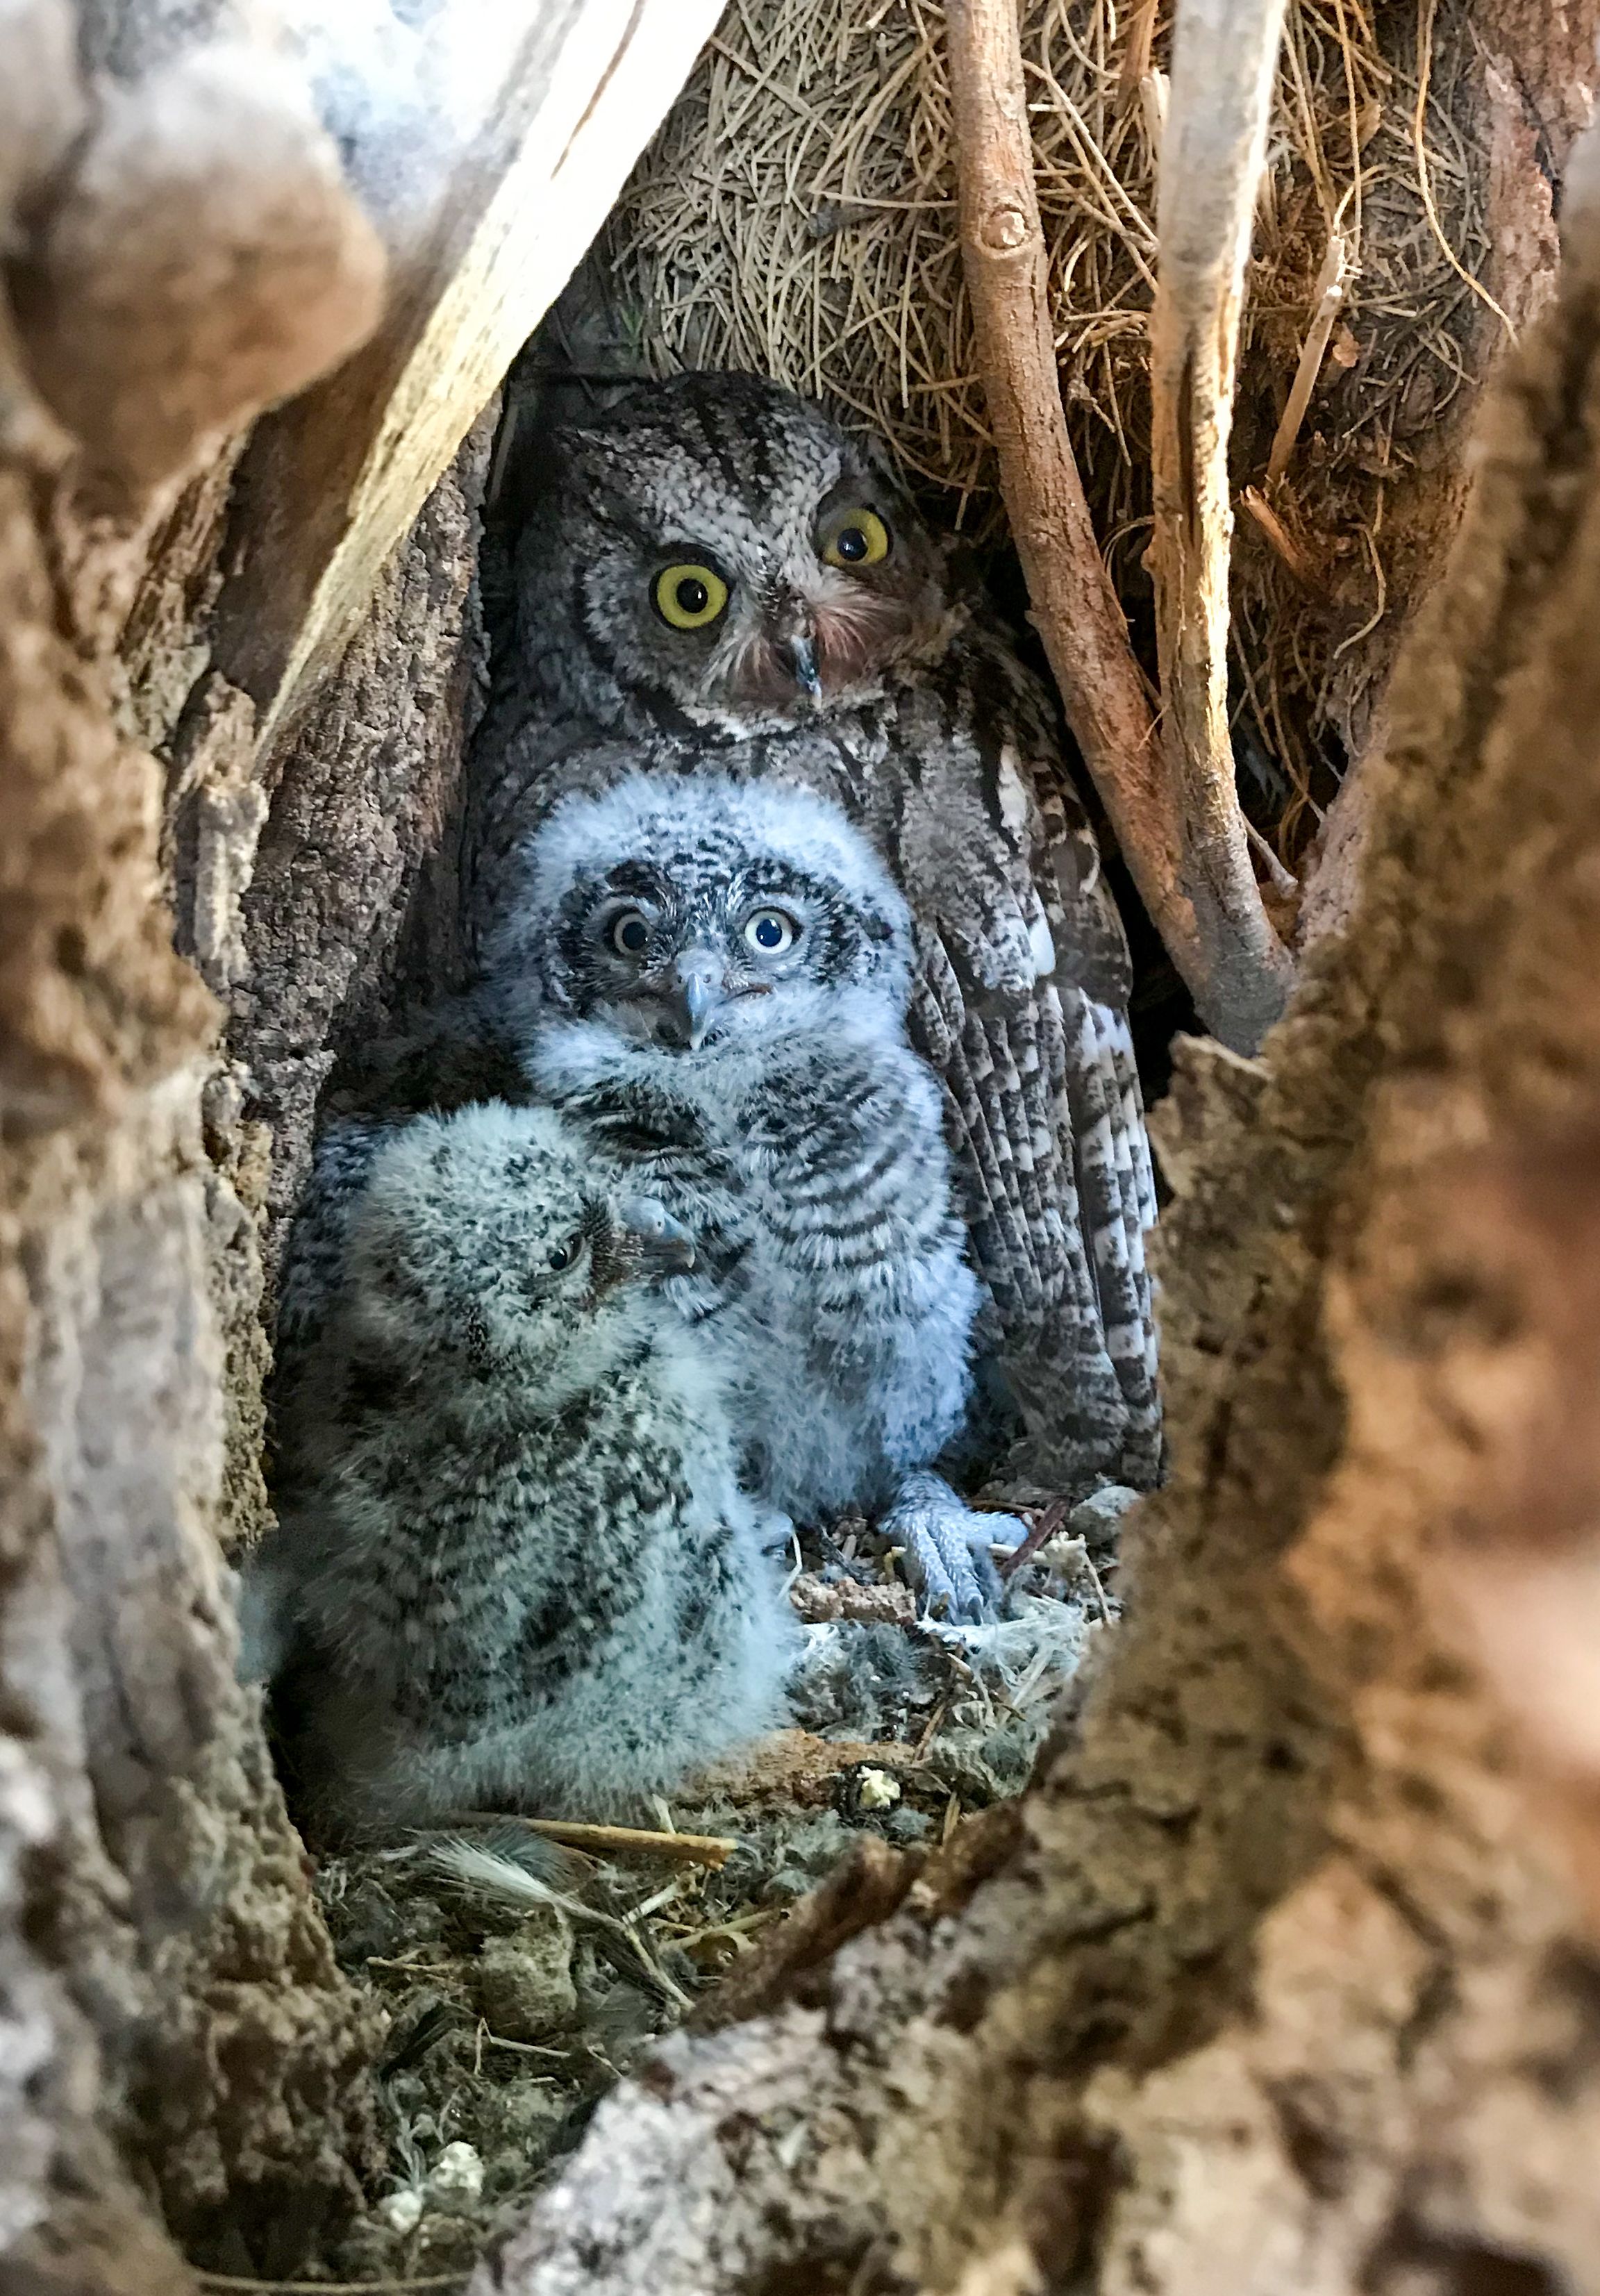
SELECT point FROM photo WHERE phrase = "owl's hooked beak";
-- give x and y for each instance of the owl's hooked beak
(701, 990)
(803, 661)
(661, 1239)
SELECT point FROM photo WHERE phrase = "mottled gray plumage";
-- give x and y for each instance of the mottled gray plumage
(861, 673)
(514, 1563)
(710, 978)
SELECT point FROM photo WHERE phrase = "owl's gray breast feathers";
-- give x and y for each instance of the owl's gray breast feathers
(835, 1285)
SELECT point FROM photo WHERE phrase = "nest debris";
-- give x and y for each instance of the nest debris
(796, 215)
(517, 1979)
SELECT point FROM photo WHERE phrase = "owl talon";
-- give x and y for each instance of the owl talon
(946, 1550)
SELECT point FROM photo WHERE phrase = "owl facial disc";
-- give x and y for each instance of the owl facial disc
(687, 913)
(732, 550)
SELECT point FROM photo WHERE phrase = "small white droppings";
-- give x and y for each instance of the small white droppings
(402, 2211)
(457, 2173)
(876, 1790)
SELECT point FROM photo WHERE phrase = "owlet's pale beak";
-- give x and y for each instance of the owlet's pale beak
(699, 993)
(661, 1241)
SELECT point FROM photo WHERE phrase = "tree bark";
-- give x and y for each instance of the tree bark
(484, 232)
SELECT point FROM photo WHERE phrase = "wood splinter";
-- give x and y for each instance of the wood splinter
(1327, 301)
(1177, 816)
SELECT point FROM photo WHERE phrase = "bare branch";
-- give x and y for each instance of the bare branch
(1212, 156)
(1224, 949)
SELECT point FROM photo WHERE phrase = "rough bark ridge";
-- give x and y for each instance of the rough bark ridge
(350, 905)
(157, 1875)
(160, 1899)
(174, 2006)
(1283, 1990)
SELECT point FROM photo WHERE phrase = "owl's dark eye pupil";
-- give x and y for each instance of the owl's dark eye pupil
(692, 595)
(560, 1258)
(631, 936)
(769, 933)
(851, 543)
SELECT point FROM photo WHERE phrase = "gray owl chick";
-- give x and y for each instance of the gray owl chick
(715, 578)
(712, 979)
(513, 1555)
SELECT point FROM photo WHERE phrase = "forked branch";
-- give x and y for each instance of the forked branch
(1189, 860)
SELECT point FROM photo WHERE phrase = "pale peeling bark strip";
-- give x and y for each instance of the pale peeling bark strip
(1212, 152)
(1225, 950)
(337, 479)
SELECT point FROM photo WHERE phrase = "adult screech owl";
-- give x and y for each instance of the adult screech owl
(709, 980)
(512, 1562)
(715, 578)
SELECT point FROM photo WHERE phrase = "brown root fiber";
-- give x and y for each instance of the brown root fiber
(1286, 1987)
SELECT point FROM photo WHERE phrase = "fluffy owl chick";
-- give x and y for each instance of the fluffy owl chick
(513, 1557)
(711, 976)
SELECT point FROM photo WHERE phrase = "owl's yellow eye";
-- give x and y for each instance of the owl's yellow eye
(690, 598)
(856, 537)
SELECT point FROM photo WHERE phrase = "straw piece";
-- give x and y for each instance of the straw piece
(1329, 294)
(609, 1840)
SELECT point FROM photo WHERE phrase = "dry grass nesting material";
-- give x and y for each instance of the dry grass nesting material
(796, 215)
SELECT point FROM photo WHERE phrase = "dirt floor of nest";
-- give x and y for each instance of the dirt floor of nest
(510, 2007)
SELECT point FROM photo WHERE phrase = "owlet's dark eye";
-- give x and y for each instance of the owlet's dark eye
(630, 935)
(770, 932)
(563, 1256)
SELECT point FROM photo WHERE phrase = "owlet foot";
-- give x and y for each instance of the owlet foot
(946, 1549)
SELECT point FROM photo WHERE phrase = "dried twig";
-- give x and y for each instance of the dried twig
(1046, 1523)
(1283, 542)
(1105, 1607)
(1327, 301)
(330, 2287)
(1212, 152)
(608, 1840)
(1074, 603)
